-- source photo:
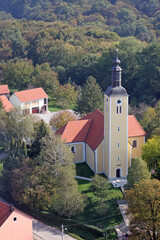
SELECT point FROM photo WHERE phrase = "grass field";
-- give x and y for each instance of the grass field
(54, 107)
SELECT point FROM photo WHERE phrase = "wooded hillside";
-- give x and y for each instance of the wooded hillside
(77, 39)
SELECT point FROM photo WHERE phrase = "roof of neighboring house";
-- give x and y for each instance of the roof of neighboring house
(134, 127)
(31, 94)
(4, 89)
(5, 212)
(6, 103)
(90, 129)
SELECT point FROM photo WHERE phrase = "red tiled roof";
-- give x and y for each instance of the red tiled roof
(4, 89)
(31, 94)
(134, 127)
(75, 131)
(6, 103)
(90, 129)
(5, 212)
(96, 133)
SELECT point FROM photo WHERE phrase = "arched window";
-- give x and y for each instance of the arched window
(134, 143)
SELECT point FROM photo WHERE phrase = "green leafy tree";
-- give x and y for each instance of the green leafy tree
(18, 75)
(151, 152)
(59, 119)
(137, 171)
(45, 77)
(91, 98)
(100, 187)
(149, 121)
(144, 205)
(48, 182)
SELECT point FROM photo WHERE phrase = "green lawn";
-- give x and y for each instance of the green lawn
(83, 170)
(53, 107)
(113, 216)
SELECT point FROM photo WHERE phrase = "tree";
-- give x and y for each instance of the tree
(48, 181)
(91, 98)
(149, 121)
(1, 105)
(100, 187)
(61, 118)
(67, 95)
(151, 152)
(41, 130)
(44, 76)
(144, 205)
(18, 75)
(137, 171)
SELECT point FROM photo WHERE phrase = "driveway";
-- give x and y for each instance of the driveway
(45, 232)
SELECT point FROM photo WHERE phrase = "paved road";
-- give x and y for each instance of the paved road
(48, 233)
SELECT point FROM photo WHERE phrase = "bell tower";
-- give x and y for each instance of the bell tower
(116, 127)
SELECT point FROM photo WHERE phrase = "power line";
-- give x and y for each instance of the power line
(76, 224)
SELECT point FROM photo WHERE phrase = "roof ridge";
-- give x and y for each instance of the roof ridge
(88, 129)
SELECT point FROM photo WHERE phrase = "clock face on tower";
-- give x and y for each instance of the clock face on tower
(119, 101)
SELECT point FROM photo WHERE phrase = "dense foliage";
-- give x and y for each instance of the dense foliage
(137, 171)
(144, 205)
(38, 170)
(43, 43)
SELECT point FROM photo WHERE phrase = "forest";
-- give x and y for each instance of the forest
(59, 44)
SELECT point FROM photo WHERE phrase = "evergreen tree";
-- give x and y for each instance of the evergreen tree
(91, 97)
(137, 172)
(41, 130)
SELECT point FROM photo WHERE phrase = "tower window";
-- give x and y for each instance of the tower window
(73, 149)
(118, 128)
(118, 158)
(119, 109)
(118, 144)
(134, 143)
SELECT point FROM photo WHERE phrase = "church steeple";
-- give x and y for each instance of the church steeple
(116, 72)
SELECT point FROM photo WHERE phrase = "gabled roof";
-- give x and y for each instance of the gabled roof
(90, 129)
(134, 127)
(31, 94)
(96, 133)
(4, 89)
(6, 103)
(75, 131)
(5, 212)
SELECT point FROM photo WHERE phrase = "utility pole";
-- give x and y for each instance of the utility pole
(62, 232)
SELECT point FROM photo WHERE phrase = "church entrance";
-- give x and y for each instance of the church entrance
(118, 173)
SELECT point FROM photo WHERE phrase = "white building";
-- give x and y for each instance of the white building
(30, 101)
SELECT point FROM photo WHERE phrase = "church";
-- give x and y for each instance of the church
(107, 142)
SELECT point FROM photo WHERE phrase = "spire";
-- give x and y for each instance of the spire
(116, 71)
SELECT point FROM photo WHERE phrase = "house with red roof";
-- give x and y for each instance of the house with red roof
(4, 90)
(107, 142)
(14, 224)
(30, 101)
(7, 106)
